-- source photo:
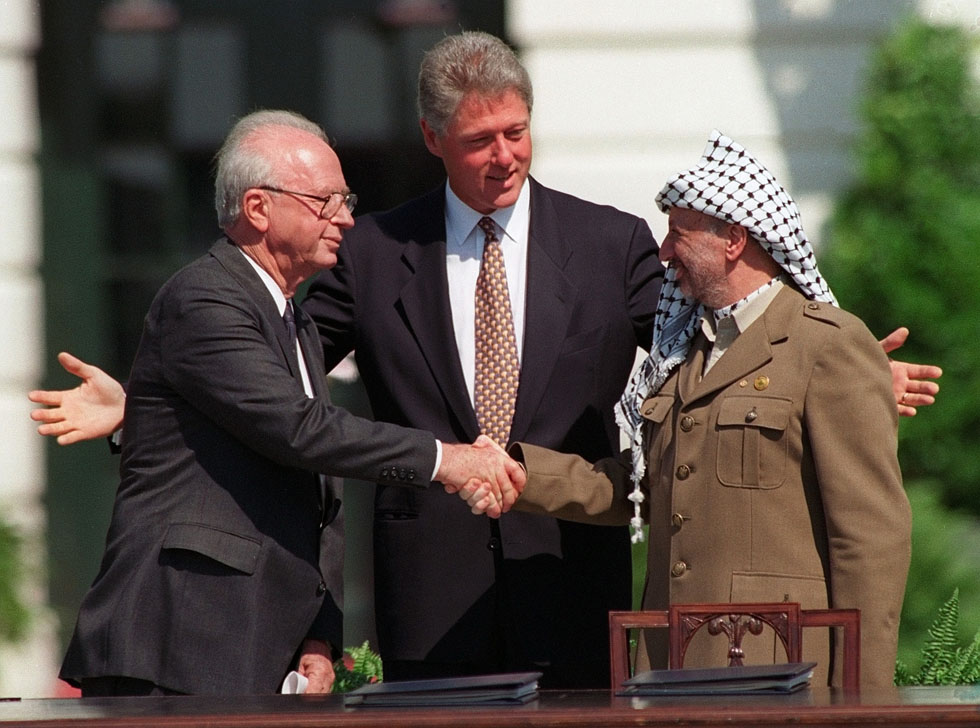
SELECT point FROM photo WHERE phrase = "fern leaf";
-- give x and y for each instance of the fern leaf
(969, 663)
(903, 675)
(939, 651)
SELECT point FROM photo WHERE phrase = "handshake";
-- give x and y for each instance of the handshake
(483, 475)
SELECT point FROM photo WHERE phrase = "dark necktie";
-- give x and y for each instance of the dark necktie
(290, 320)
(497, 367)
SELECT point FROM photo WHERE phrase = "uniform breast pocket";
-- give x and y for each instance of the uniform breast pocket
(752, 443)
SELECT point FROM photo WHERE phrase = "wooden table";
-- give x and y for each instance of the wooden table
(918, 707)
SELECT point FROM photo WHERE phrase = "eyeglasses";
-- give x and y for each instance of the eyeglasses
(331, 203)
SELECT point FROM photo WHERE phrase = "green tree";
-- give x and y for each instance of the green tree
(904, 249)
(14, 616)
(945, 559)
(905, 239)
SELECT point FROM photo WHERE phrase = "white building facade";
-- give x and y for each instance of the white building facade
(27, 669)
(626, 93)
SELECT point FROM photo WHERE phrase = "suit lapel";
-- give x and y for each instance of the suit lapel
(689, 375)
(752, 348)
(425, 306)
(547, 308)
(234, 262)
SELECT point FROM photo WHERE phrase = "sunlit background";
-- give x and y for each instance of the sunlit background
(113, 109)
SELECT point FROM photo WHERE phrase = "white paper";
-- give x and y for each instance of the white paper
(294, 684)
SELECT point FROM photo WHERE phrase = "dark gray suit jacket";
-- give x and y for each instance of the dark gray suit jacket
(452, 588)
(225, 550)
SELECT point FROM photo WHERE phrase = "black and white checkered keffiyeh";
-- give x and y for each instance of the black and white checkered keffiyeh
(728, 184)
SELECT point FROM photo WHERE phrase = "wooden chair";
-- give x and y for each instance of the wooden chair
(786, 619)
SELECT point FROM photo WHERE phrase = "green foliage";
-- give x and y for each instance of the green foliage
(358, 666)
(14, 617)
(945, 556)
(943, 661)
(904, 247)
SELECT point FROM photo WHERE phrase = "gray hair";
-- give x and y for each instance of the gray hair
(241, 165)
(470, 61)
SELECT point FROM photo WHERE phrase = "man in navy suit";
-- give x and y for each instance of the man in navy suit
(524, 592)
(223, 561)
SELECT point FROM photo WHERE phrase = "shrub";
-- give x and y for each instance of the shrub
(944, 662)
(14, 616)
(358, 666)
(904, 247)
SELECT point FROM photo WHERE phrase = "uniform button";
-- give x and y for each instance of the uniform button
(813, 306)
(751, 415)
(321, 589)
(678, 568)
(683, 472)
(677, 519)
(687, 423)
(493, 544)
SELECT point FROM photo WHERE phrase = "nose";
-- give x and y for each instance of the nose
(343, 218)
(666, 253)
(502, 154)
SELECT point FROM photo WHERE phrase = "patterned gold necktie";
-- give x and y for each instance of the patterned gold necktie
(497, 368)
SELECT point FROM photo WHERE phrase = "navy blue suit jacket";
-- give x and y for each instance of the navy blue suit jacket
(451, 587)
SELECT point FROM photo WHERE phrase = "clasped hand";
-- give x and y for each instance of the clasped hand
(483, 475)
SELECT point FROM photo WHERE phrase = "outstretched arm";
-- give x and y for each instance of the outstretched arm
(909, 380)
(92, 409)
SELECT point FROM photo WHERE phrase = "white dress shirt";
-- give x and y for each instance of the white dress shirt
(464, 251)
(277, 295)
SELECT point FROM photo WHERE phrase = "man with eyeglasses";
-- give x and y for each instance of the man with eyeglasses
(224, 557)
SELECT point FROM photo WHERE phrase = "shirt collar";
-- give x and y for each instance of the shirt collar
(461, 219)
(274, 290)
(745, 311)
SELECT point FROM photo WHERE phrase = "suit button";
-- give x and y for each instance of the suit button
(678, 568)
(402, 473)
(411, 475)
(683, 472)
(493, 544)
(687, 423)
(321, 589)
(677, 519)
(384, 472)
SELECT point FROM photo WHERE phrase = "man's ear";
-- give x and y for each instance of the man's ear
(255, 209)
(738, 236)
(431, 138)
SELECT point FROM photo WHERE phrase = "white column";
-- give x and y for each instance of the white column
(27, 669)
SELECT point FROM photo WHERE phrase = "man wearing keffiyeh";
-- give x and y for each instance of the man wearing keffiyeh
(763, 431)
